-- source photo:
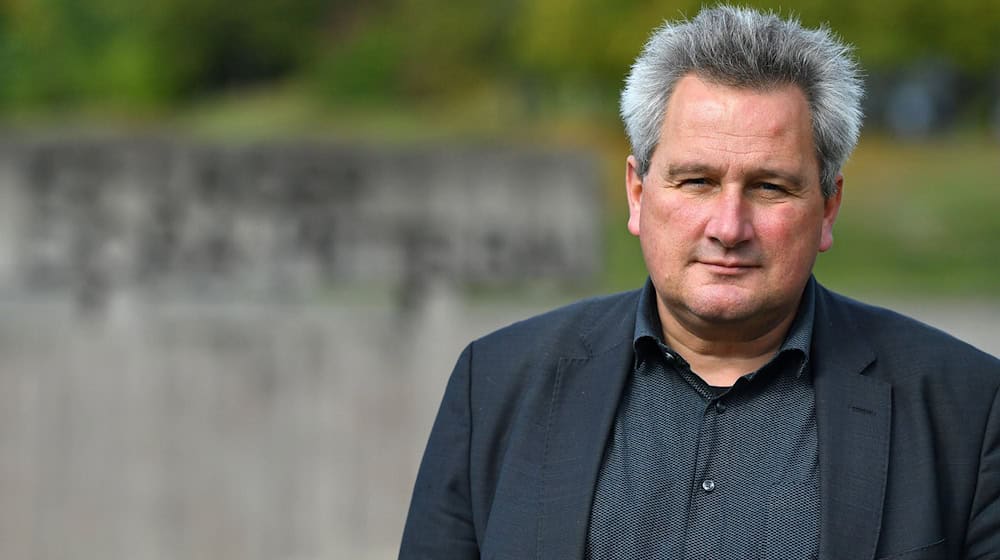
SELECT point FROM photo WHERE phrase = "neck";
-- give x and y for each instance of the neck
(721, 354)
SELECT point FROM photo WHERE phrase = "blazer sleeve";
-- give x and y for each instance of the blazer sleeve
(439, 524)
(983, 536)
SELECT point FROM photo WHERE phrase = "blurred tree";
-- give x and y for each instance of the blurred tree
(66, 53)
(63, 52)
(205, 46)
(415, 49)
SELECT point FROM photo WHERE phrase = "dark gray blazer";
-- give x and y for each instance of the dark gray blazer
(907, 417)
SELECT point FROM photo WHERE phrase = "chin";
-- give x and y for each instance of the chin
(725, 306)
(724, 295)
(719, 314)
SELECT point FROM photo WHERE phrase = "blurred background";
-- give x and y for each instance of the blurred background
(243, 244)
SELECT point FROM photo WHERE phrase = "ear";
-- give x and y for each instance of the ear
(633, 189)
(831, 206)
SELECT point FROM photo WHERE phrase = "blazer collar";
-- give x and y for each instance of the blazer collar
(853, 415)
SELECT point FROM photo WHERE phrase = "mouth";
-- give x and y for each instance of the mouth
(728, 267)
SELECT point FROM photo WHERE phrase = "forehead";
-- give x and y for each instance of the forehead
(706, 120)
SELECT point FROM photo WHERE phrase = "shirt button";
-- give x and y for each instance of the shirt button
(708, 485)
(720, 406)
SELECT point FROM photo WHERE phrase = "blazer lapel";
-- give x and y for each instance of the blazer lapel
(853, 415)
(584, 403)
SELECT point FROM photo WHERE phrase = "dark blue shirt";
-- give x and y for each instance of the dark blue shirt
(696, 472)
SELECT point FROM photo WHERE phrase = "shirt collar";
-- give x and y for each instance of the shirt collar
(648, 328)
(647, 320)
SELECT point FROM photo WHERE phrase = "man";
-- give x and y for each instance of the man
(733, 407)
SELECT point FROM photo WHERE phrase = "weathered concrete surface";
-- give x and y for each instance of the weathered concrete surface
(211, 432)
(168, 219)
(179, 379)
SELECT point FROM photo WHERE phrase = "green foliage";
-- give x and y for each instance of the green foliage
(414, 51)
(367, 68)
(59, 54)
(64, 53)
(211, 45)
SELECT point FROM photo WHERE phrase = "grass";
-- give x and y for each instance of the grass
(919, 218)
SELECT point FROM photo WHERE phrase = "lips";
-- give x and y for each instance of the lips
(728, 268)
(729, 264)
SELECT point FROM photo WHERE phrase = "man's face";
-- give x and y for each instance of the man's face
(730, 216)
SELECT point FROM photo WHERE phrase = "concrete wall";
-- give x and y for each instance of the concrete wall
(160, 218)
(212, 352)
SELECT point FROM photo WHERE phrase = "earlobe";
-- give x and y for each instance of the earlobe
(633, 190)
(831, 207)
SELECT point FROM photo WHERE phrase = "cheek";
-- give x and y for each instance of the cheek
(664, 232)
(669, 215)
(792, 237)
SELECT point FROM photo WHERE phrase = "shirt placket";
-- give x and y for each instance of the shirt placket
(703, 532)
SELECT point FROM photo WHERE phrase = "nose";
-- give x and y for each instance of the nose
(729, 222)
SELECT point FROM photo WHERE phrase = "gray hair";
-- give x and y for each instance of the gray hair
(743, 48)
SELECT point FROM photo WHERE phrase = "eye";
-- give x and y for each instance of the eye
(771, 190)
(695, 182)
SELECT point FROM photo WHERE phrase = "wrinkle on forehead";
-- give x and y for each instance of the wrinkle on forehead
(724, 127)
(740, 117)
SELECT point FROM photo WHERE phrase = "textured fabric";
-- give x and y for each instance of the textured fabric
(907, 418)
(693, 471)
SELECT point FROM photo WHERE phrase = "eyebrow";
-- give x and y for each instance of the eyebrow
(675, 169)
(679, 169)
(790, 178)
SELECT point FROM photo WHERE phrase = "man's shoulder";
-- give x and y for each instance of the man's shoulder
(585, 323)
(893, 334)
